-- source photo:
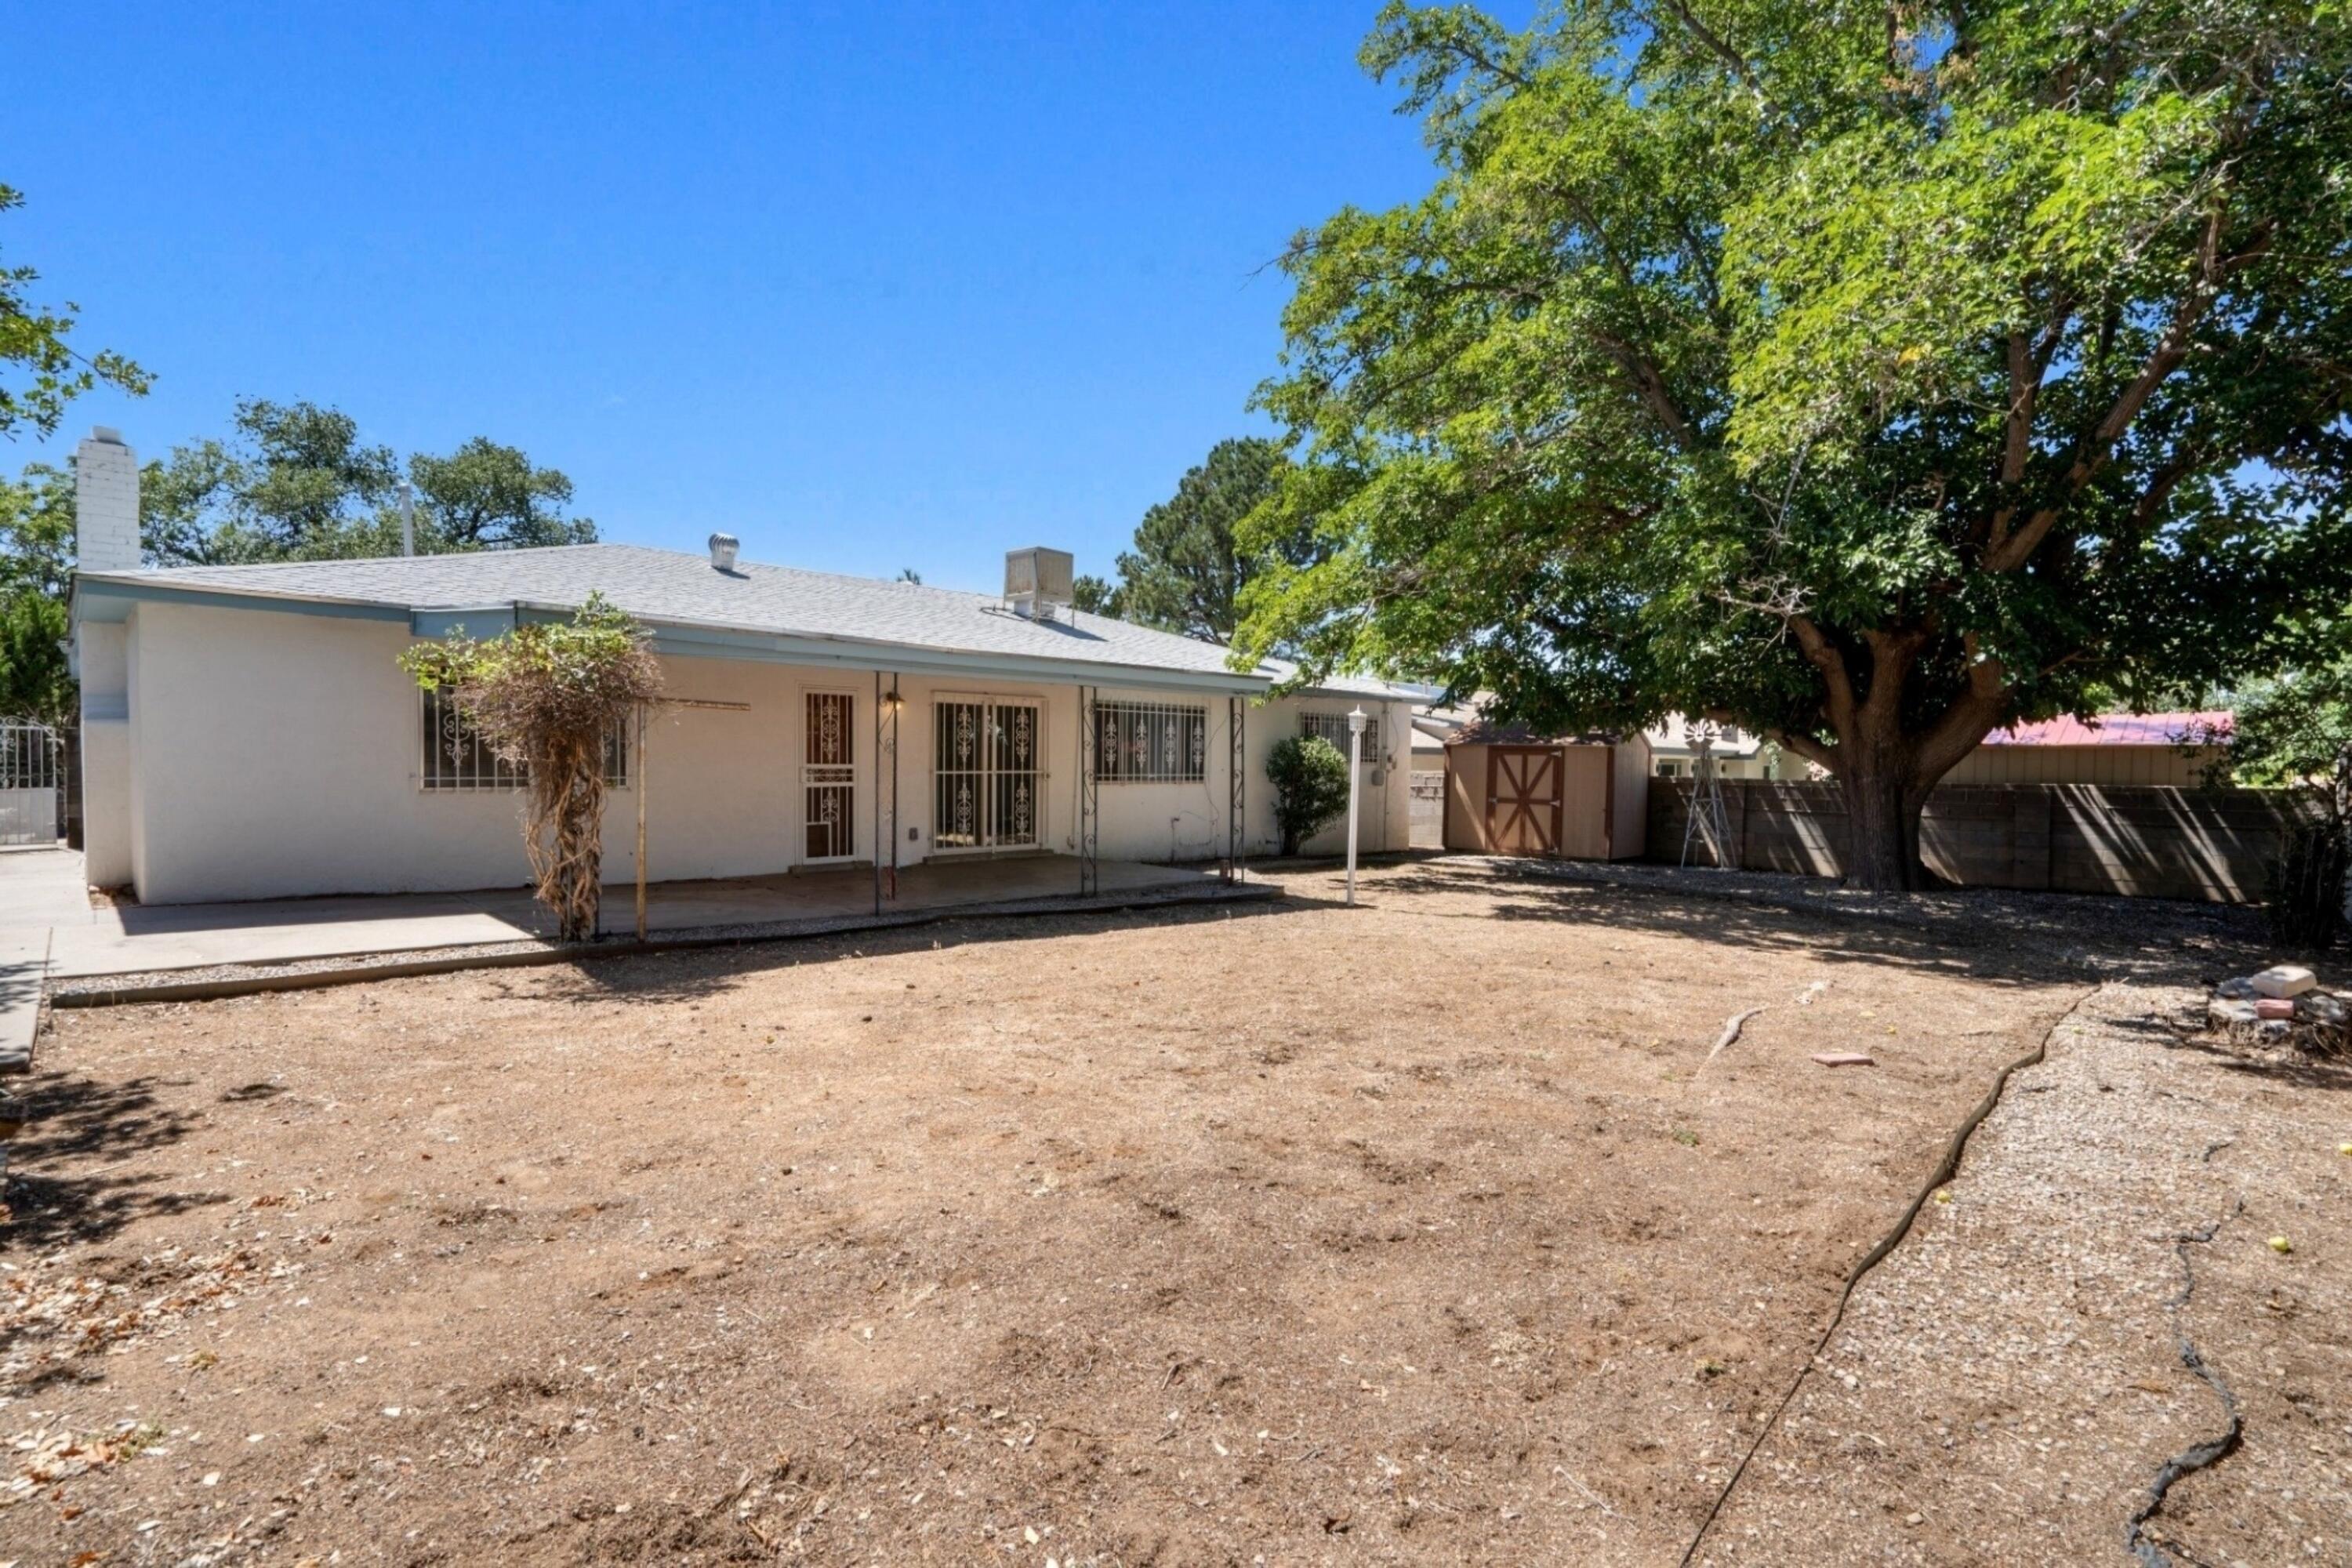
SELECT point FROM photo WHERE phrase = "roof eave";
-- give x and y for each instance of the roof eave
(102, 597)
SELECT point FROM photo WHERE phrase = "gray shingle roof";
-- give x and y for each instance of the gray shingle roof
(675, 586)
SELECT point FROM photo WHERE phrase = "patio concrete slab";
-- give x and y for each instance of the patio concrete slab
(142, 939)
(39, 889)
(42, 887)
(24, 958)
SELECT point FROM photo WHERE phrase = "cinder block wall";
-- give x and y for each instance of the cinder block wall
(2135, 841)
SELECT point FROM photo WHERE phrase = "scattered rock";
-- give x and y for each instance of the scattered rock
(2289, 980)
(2229, 1013)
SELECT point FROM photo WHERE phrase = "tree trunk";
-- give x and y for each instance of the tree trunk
(1884, 770)
(1882, 835)
(1879, 774)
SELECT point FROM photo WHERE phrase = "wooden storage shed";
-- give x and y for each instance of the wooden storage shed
(1509, 792)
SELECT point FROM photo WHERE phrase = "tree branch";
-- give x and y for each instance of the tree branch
(1825, 657)
(1649, 385)
(2007, 551)
(1805, 746)
(1970, 719)
(1713, 43)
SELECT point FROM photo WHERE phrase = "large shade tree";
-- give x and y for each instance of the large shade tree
(1185, 573)
(295, 481)
(41, 370)
(1871, 376)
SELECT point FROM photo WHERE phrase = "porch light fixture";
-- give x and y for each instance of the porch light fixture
(892, 701)
(1356, 721)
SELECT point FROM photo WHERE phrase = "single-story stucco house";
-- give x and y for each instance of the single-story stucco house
(247, 733)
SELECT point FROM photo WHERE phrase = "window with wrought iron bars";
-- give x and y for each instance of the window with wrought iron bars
(1151, 742)
(1333, 727)
(456, 758)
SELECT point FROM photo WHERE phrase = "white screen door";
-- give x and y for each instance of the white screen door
(985, 791)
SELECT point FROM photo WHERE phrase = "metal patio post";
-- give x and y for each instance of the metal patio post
(1355, 764)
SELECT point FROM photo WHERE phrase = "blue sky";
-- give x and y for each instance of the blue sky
(872, 285)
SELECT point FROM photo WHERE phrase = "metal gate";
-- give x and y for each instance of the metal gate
(29, 780)
(985, 790)
(829, 776)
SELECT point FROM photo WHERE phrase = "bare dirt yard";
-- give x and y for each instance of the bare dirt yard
(1422, 1232)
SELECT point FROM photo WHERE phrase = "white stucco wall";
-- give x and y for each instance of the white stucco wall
(103, 659)
(270, 755)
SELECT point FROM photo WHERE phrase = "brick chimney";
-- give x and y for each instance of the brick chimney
(106, 503)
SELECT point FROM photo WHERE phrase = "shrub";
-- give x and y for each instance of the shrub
(546, 698)
(2304, 902)
(2295, 731)
(1310, 788)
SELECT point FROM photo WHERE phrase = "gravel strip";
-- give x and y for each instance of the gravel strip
(2011, 1382)
(2102, 935)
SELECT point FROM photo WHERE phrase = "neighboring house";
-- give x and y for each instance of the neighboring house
(2113, 749)
(1738, 753)
(250, 734)
(1433, 728)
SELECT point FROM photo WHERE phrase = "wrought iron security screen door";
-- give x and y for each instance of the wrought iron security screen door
(985, 791)
(829, 775)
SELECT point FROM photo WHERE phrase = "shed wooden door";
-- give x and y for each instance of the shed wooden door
(1523, 793)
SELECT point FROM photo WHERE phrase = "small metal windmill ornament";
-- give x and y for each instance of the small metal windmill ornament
(1707, 821)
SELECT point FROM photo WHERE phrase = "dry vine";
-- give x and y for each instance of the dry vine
(549, 698)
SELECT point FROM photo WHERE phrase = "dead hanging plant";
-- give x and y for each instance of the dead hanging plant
(550, 699)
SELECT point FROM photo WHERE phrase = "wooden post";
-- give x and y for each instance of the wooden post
(641, 822)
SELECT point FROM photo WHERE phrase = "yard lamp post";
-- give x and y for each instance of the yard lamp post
(1355, 761)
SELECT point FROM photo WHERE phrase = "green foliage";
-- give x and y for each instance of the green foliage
(546, 698)
(485, 496)
(34, 683)
(294, 482)
(1869, 376)
(1310, 788)
(1095, 596)
(1186, 571)
(2295, 729)
(36, 530)
(33, 337)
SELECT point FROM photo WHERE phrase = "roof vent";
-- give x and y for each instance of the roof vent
(723, 547)
(1037, 581)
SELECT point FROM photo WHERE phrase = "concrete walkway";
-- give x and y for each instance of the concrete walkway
(140, 940)
(40, 889)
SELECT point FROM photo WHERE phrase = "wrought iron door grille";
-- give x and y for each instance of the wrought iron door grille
(1151, 742)
(985, 781)
(457, 758)
(1333, 727)
(829, 775)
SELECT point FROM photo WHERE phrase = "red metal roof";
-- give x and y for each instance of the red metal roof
(2118, 729)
